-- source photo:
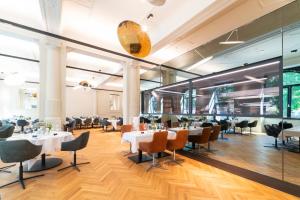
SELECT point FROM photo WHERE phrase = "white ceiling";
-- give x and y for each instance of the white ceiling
(98, 20)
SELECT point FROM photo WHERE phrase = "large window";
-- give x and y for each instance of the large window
(291, 93)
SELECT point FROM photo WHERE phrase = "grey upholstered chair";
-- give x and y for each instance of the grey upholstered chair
(6, 131)
(75, 145)
(22, 123)
(18, 151)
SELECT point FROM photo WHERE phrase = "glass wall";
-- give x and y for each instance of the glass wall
(253, 87)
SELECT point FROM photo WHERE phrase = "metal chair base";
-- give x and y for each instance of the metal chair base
(75, 166)
(173, 159)
(21, 179)
(155, 164)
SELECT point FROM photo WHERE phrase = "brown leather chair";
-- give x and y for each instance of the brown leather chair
(201, 139)
(214, 135)
(124, 129)
(158, 144)
(143, 127)
(175, 124)
(178, 143)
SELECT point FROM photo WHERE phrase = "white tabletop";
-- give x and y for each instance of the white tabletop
(192, 130)
(135, 137)
(292, 132)
(51, 142)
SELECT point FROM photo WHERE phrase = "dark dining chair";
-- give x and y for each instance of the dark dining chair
(87, 122)
(273, 131)
(22, 123)
(252, 125)
(78, 123)
(242, 125)
(75, 145)
(224, 128)
(6, 131)
(19, 151)
(96, 122)
(71, 125)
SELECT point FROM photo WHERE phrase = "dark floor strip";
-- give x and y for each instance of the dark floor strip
(283, 186)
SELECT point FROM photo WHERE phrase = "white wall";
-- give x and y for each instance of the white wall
(12, 102)
(80, 102)
(90, 103)
(103, 107)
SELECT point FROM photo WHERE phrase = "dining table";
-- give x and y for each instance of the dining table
(50, 141)
(192, 130)
(291, 132)
(135, 137)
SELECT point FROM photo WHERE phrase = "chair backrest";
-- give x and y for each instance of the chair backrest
(142, 127)
(224, 125)
(175, 124)
(272, 130)
(18, 151)
(204, 137)
(82, 140)
(88, 120)
(96, 120)
(206, 124)
(181, 139)
(22, 122)
(126, 128)
(253, 124)
(159, 142)
(285, 125)
(6, 131)
(244, 124)
(215, 133)
(78, 121)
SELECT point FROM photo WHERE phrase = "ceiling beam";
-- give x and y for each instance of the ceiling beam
(51, 14)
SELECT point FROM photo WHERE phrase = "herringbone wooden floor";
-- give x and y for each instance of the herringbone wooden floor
(112, 176)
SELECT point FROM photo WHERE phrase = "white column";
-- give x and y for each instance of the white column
(131, 91)
(52, 83)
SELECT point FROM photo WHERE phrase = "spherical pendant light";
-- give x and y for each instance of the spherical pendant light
(157, 2)
(133, 39)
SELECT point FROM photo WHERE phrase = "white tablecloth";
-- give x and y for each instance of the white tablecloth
(49, 141)
(192, 130)
(135, 137)
(114, 122)
(292, 132)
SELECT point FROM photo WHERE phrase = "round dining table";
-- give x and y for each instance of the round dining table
(50, 142)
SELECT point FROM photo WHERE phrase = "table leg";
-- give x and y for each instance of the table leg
(140, 156)
(159, 155)
(43, 159)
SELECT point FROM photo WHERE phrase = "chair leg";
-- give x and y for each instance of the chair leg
(21, 179)
(173, 159)
(275, 145)
(74, 164)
